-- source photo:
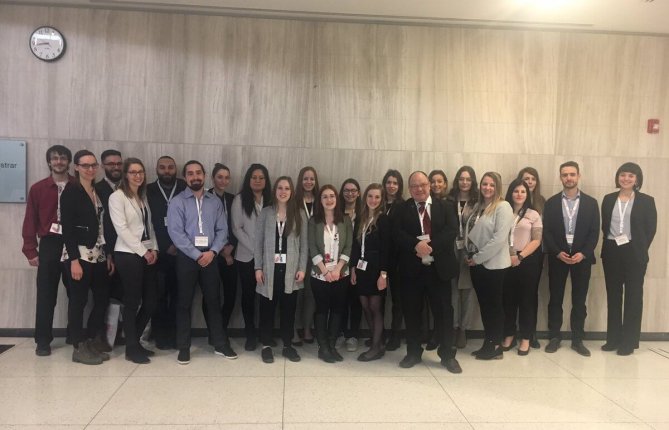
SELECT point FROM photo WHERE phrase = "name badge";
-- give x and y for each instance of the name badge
(56, 228)
(201, 241)
(279, 258)
(147, 244)
(423, 237)
(165, 219)
(570, 239)
(459, 244)
(622, 239)
(362, 265)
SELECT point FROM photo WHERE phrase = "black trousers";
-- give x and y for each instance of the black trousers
(163, 323)
(189, 273)
(49, 273)
(228, 275)
(413, 289)
(96, 279)
(330, 296)
(352, 311)
(139, 287)
(247, 276)
(397, 317)
(520, 291)
(288, 305)
(624, 276)
(580, 281)
(489, 287)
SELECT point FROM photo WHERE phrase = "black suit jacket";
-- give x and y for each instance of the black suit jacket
(643, 220)
(227, 201)
(79, 220)
(104, 190)
(407, 228)
(586, 231)
(158, 206)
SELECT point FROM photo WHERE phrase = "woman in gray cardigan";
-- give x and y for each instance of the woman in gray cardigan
(330, 242)
(488, 257)
(280, 258)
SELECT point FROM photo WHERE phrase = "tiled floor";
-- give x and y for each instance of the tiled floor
(541, 391)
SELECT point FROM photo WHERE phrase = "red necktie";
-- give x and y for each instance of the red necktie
(427, 224)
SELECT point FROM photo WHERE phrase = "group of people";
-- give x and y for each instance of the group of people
(327, 257)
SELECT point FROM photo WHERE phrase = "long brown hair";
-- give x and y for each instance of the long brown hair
(367, 215)
(125, 185)
(319, 210)
(299, 192)
(293, 216)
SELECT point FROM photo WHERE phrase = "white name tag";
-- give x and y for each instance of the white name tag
(147, 244)
(459, 244)
(570, 239)
(423, 237)
(622, 239)
(280, 258)
(165, 219)
(56, 228)
(201, 241)
(362, 265)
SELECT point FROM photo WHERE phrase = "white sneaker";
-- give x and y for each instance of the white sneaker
(352, 344)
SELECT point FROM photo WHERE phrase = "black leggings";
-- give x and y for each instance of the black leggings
(520, 291)
(287, 302)
(488, 285)
(247, 276)
(95, 278)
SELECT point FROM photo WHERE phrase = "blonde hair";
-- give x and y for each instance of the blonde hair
(497, 199)
(371, 215)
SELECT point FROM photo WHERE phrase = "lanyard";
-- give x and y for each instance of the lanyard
(421, 216)
(570, 213)
(461, 210)
(167, 200)
(622, 211)
(199, 212)
(513, 230)
(364, 235)
(310, 213)
(332, 233)
(60, 191)
(280, 226)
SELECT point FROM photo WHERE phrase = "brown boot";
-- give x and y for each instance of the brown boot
(83, 354)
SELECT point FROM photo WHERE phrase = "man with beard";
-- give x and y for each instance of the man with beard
(42, 220)
(159, 194)
(113, 166)
(571, 232)
(198, 227)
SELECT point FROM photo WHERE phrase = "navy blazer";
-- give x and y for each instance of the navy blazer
(586, 231)
(407, 228)
(643, 220)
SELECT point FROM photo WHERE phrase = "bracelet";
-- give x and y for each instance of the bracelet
(519, 255)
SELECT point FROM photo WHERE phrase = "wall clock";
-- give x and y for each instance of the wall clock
(47, 43)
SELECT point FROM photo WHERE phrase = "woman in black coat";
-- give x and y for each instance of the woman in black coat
(629, 222)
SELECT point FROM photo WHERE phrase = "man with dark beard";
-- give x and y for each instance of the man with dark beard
(198, 227)
(159, 194)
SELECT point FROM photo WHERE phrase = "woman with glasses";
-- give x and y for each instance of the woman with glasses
(464, 196)
(330, 240)
(136, 253)
(85, 258)
(350, 202)
(280, 258)
(305, 197)
(256, 193)
(487, 242)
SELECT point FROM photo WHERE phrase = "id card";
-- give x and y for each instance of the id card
(362, 265)
(423, 237)
(165, 219)
(279, 258)
(622, 239)
(570, 239)
(56, 228)
(201, 241)
(460, 244)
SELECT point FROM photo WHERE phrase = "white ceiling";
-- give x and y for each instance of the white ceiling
(635, 16)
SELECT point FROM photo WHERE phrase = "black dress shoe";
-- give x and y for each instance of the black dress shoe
(394, 343)
(491, 354)
(553, 345)
(625, 351)
(137, 357)
(337, 356)
(580, 348)
(251, 344)
(410, 361)
(364, 357)
(451, 364)
(609, 346)
(291, 354)
(511, 345)
(145, 351)
(267, 355)
(325, 355)
(534, 343)
(43, 350)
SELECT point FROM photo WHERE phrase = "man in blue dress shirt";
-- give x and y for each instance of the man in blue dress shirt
(198, 228)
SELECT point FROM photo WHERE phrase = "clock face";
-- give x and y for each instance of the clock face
(47, 43)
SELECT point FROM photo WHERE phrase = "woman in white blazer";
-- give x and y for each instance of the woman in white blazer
(136, 253)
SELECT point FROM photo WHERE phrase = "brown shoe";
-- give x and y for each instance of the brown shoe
(83, 354)
(96, 347)
(100, 344)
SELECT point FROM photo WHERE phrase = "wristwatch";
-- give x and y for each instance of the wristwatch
(520, 257)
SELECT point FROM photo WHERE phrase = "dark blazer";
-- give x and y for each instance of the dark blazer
(586, 231)
(407, 228)
(227, 201)
(376, 246)
(643, 220)
(158, 207)
(79, 220)
(104, 190)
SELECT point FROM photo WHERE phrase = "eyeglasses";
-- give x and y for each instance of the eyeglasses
(88, 166)
(416, 186)
(111, 164)
(351, 191)
(136, 172)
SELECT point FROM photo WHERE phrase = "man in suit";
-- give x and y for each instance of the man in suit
(159, 194)
(424, 231)
(571, 232)
(112, 162)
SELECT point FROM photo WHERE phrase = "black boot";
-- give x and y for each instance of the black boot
(320, 324)
(335, 325)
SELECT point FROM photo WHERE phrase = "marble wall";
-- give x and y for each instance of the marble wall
(350, 99)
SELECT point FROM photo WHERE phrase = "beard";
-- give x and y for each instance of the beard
(196, 186)
(167, 179)
(114, 176)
